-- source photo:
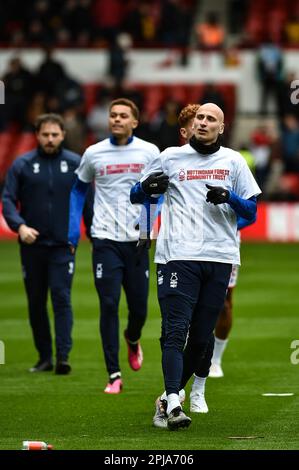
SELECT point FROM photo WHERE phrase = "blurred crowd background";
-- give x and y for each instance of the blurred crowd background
(268, 137)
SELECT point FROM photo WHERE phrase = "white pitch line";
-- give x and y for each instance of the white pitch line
(277, 394)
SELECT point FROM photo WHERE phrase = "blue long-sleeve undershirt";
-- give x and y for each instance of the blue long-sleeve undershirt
(242, 223)
(138, 196)
(77, 199)
(244, 208)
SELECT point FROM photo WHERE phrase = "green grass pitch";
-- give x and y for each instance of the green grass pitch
(72, 412)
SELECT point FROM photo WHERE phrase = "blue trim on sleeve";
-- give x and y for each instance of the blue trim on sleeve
(77, 199)
(245, 208)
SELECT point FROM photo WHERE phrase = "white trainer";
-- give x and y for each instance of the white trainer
(160, 416)
(198, 402)
(216, 371)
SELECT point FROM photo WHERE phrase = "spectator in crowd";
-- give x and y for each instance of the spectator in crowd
(76, 17)
(37, 23)
(175, 26)
(75, 130)
(35, 109)
(270, 65)
(290, 143)
(19, 86)
(126, 90)
(210, 34)
(141, 21)
(260, 147)
(211, 94)
(50, 73)
(70, 93)
(83, 23)
(165, 125)
(97, 118)
(292, 30)
(117, 59)
(61, 91)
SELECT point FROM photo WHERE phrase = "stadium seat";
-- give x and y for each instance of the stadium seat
(178, 93)
(153, 99)
(6, 145)
(267, 18)
(25, 142)
(90, 94)
(289, 183)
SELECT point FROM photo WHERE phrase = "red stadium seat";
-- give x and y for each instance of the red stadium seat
(178, 93)
(267, 18)
(90, 93)
(25, 142)
(153, 99)
(289, 182)
(7, 140)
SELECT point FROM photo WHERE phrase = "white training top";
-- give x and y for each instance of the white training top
(191, 228)
(115, 169)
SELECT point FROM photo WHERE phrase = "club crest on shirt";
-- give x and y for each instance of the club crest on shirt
(64, 166)
(101, 170)
(182, 175)
(36, 167)
(174, 280)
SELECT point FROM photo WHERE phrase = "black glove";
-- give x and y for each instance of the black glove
(142, 245)
(217, 194)
(156, 183)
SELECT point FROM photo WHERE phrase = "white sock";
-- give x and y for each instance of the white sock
(115, 375)
(172, 402)
(220, 345)
(199, 384)
(182, 395)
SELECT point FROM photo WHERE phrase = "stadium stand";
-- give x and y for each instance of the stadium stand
(153, 25)
(268, 19)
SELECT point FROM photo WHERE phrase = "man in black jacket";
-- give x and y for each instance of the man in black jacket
(36, 206)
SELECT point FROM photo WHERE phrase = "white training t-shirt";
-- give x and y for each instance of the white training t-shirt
(115, 169)
(191, 228)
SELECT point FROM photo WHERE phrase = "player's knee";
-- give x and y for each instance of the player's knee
(138, 314)
(61, 298)
(109, 305)
(176, 339)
